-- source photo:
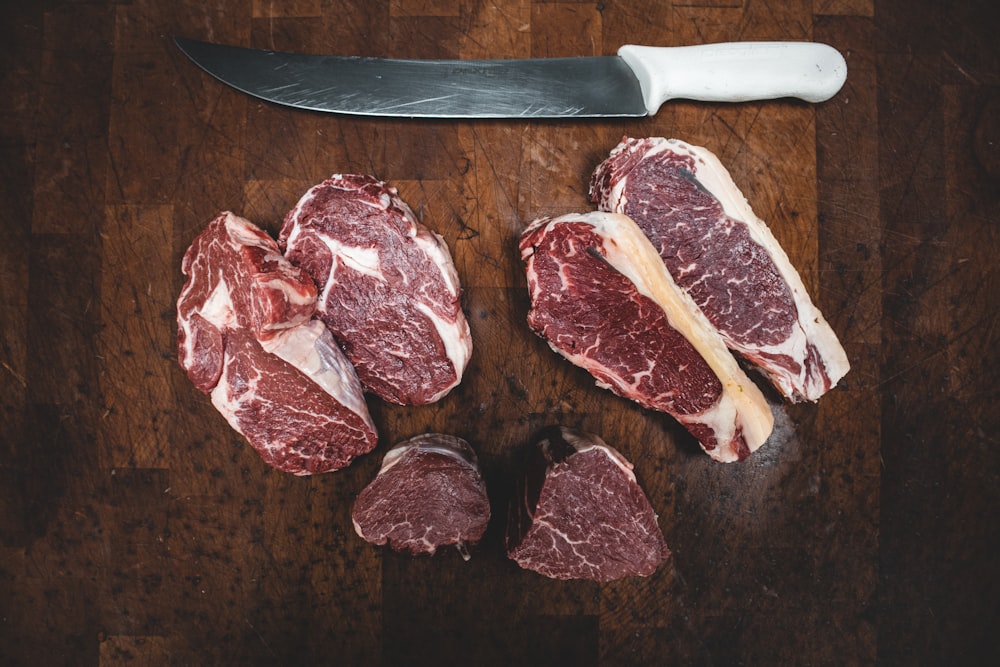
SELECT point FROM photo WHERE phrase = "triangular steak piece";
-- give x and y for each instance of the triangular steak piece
(579, 513)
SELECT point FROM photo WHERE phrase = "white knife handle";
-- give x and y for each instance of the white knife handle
(736, 71)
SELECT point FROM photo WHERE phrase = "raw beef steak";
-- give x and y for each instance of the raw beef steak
(246, 338)
(579, 513)
(304, 417)
(388, 288)
(237, 278)
(429, 493)
(714, 246)
(601, 297)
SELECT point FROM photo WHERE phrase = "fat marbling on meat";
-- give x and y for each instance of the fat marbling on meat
(725, 257)
(601, 297)
(389, 291)
(246, 336)
(579, 513)
(428, 493)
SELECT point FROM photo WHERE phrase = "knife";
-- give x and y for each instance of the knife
(632, 84)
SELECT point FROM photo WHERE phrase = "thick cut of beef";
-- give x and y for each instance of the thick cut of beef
(298, 402)
(726, 258)
(246, 337)
(601, 297)
(389, 291)
(579, 513)
(237, 279)
(429, 493)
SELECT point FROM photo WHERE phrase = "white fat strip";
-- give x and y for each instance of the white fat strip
(724, 417)
(296, 228)
(363, 260)
(394, 455)
(310, 349)
(397, 452)
(455, 336)
(189, 336)
(292, 295)
(226, 402)
(586, 444)
(242, 232)
(445, 451)
(436, 248)
(218, 307)
(357, 528)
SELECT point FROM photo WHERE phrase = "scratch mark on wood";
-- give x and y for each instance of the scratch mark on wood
(17, 376)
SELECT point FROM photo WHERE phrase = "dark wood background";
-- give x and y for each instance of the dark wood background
(135, 526)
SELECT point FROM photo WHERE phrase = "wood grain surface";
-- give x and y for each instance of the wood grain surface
(136, 527)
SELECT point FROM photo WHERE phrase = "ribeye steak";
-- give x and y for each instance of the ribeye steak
(717, 249)
(389, 291)
(246, 337)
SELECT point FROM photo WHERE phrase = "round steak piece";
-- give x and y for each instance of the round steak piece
(388, 288)
(429, 493)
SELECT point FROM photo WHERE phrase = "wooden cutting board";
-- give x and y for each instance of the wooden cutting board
(136, 526)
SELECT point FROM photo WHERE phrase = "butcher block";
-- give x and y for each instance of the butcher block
(136, 527)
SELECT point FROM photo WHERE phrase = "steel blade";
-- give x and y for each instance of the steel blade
(600, 86)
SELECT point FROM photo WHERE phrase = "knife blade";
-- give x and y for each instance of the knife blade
(634, 83)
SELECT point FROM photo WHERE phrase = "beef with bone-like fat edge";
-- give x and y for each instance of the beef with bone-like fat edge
(725, 257)
(601, 297)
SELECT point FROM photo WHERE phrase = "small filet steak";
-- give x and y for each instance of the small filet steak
(429, 493)
(579, 513)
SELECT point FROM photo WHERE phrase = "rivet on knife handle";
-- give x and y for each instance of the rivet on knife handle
(736, 71)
